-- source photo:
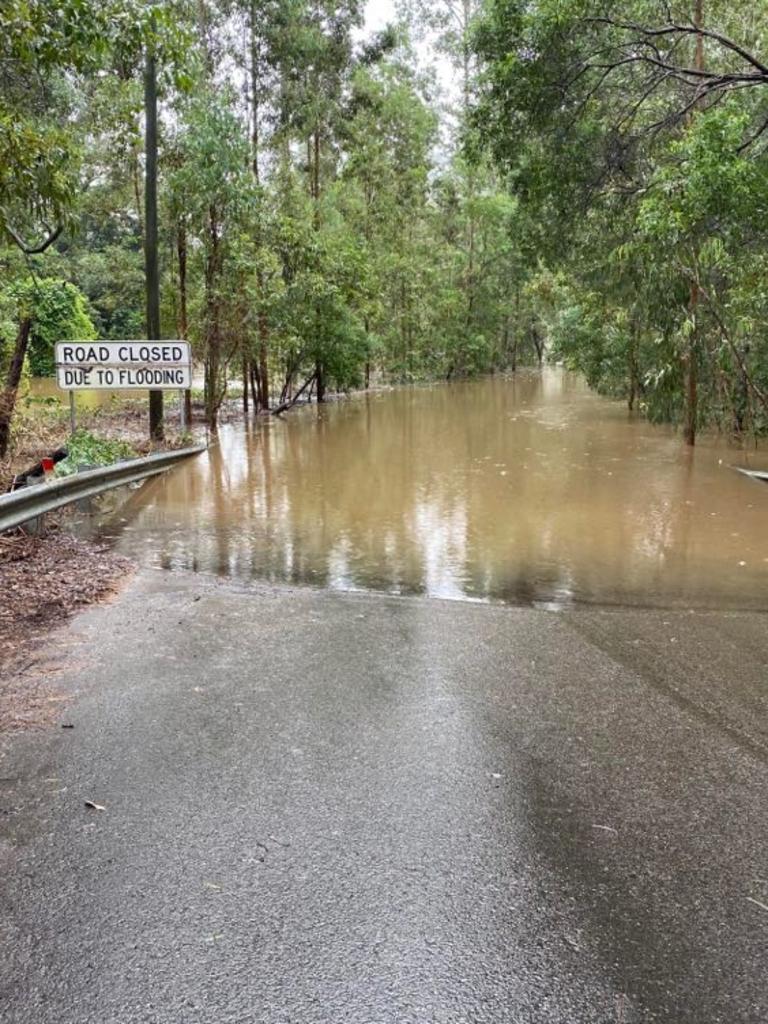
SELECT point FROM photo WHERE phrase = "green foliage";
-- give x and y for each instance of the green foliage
(112, 280)
(46, 50)
(85, 450)
(59, 312)
(643, 183)
(9, 325)
(314, 224)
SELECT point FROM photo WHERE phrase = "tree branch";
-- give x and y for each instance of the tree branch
(676, 29)
(29, 248)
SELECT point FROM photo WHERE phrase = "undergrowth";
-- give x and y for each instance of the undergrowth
(85, 449)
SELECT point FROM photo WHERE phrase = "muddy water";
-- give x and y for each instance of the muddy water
(46, 387)
(530, 490)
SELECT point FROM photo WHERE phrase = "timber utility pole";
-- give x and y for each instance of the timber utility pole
(151, 267)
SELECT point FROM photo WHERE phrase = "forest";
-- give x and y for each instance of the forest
(591, 189)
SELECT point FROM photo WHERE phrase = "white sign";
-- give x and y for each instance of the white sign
(107, 365)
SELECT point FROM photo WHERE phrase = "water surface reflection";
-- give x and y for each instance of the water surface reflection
(527, 490)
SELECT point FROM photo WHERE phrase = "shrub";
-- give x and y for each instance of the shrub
(85, 449)
(59, 312)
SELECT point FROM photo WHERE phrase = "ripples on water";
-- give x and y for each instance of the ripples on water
(529, 490)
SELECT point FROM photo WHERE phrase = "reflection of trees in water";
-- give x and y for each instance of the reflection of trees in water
(527, 490)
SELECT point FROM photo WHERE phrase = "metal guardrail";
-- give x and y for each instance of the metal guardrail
(754, 474)
(29, 502)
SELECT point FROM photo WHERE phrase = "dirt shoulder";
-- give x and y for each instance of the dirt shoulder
(43, 582)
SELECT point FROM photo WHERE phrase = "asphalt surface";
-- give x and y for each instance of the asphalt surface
(325, 808)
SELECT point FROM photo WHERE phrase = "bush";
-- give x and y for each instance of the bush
(85, 449)
(59, 312)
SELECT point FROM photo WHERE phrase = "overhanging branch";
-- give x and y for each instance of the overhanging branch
(31, 248)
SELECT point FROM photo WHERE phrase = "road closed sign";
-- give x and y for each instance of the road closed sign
(108, 365)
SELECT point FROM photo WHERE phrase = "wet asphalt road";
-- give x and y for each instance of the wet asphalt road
(326, 808)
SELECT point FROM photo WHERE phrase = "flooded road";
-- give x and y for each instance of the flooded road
(529, 491)
(319, 806)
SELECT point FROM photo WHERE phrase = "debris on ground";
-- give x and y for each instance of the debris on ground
(43, 581)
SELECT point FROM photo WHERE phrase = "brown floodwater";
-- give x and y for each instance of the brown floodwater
(529, 490)
(47, 388)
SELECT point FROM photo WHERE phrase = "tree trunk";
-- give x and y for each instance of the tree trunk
(152, 272)
(367, 328)
(320, 381)
(181, 252)
(516, 332)
(466, 19)
(632, 367)
(690, 372)
(8, 395)
(254, 387)
(316, 173)
(403, 324)
(263, 355)
(287, 382)
(213, 346)
(690, 360)
(263, 325)
(538, 344)
(136, 177)
(742, 400)
(202, 29)
(289, 402)
(698, 21)
(255, 78)
(246, 376)
(183, 322)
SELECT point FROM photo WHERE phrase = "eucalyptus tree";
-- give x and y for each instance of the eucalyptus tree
(383, 194)
(42, 45)
(633, 135)
(213, 185)
(449, 25)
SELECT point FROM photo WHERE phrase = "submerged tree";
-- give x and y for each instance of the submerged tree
(633, 136)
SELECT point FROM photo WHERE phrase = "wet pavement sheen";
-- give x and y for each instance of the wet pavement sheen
(325, 808)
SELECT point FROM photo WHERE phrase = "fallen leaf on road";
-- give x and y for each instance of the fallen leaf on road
(93, 806)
